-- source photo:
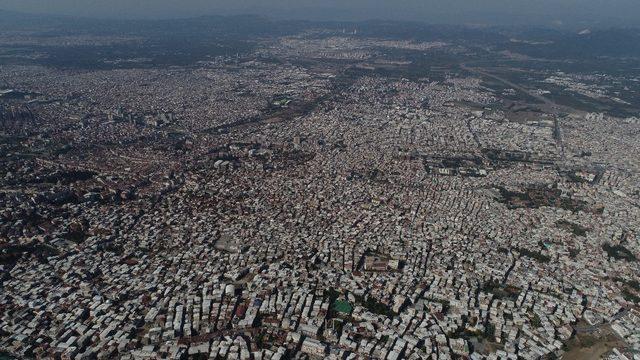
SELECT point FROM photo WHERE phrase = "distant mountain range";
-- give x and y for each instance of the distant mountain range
(561, 19)
(542, 42)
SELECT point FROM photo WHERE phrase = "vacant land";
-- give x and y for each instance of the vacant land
(592, 346)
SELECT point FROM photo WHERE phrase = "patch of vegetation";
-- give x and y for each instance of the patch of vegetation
(260, 340)
(619, 252)
(630, 290)
(539, 257)
(499, 290)
(64, 177)
(630, 296)
(469, 333)
(489, 331)
(573, 253)
(374, 306)
(5, 356)
(539, 196)
(112, 247)
(535, 321)
(331, 294)
(10, 254)
(576, 229)
(634, 284)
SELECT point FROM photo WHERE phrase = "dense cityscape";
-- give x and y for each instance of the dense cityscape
(327, 192)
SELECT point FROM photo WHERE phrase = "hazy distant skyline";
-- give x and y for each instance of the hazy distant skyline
(605, 12)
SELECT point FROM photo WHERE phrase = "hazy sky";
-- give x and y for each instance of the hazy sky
(460, 11)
